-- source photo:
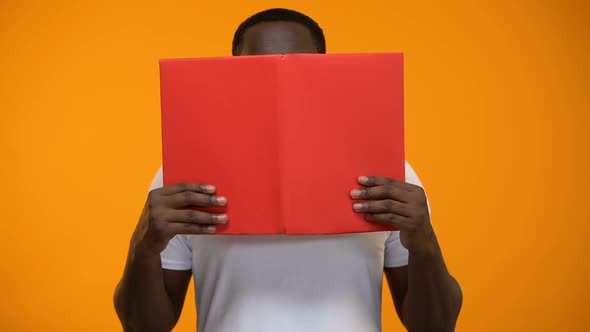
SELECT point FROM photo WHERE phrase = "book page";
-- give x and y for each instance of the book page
(341, 117)
(219, 126)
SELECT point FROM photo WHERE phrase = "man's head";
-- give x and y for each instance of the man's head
(278, 31)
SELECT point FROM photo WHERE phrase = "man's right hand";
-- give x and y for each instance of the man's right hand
(167, 213)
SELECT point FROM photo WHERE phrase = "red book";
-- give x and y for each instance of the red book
(284, 137)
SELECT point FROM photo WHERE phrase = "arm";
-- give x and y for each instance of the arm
(151, 303)
(426, 296)
(149, 298)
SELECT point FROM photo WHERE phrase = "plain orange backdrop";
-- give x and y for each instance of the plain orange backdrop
(497, 108)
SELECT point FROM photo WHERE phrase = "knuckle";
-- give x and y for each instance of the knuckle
(389, 188)
(192, 215)
(362, 193)
(187, 197)
(389, 204)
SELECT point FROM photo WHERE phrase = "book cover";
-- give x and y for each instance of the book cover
(284, 137)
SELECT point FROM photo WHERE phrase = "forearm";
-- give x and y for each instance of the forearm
(434, 297)
(141, 300)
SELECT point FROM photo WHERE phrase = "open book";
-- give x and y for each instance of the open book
(284, 137)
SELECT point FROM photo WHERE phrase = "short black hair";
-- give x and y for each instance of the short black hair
(281, 14)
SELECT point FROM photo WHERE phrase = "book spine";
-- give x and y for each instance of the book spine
(282, 107)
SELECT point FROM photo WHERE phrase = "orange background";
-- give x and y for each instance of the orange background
(497, 112)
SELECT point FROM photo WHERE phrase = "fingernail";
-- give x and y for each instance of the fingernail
(221, 200)
(222, 218)
(355, 193)
(363, 179)
(211, 228)
(357, 206)
(209, 188)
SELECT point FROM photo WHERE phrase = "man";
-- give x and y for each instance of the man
(286, 283)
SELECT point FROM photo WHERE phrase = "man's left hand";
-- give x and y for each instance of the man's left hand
(397, 203)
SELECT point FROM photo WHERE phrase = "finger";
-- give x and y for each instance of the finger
(190, 198)
(195, 217)
(192, 229)
(371, 181)
(387, 218)
(383, 206)
(386, 191)
(194, 187)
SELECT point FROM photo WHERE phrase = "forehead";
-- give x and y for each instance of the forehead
(277, 38)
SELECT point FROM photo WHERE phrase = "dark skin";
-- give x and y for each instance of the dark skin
(426, 296)
(149, 298)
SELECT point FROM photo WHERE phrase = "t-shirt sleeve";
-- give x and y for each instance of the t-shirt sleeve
(178, 254)
(395, 254)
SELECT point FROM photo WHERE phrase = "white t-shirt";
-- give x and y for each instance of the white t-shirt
(287, 283)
